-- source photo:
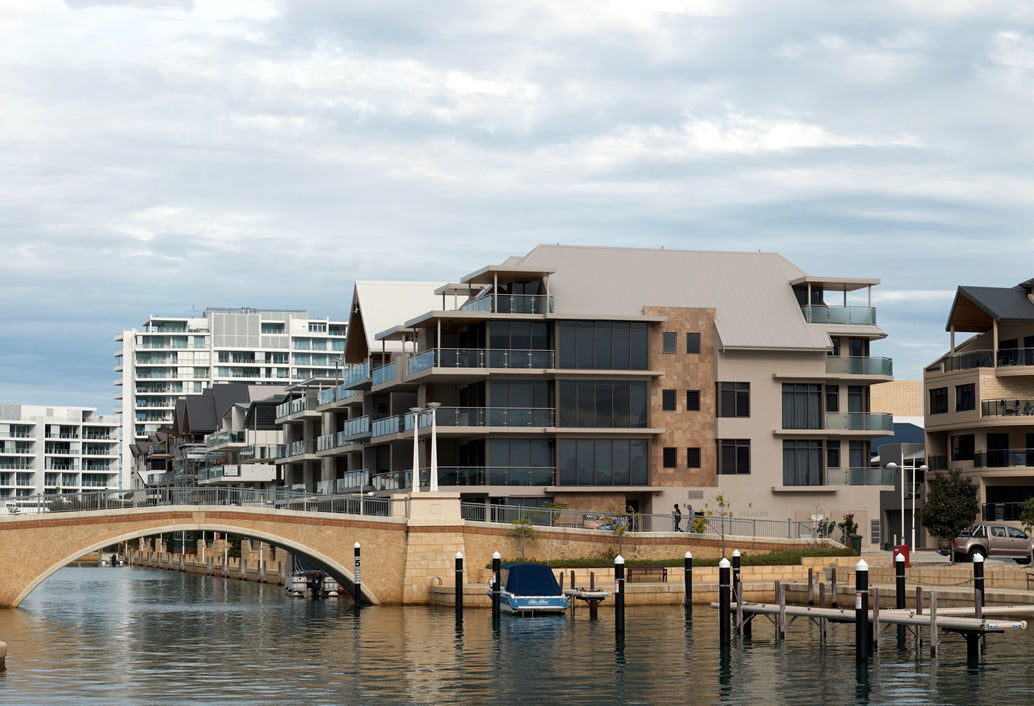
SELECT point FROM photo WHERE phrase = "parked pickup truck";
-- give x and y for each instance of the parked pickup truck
(994, 542)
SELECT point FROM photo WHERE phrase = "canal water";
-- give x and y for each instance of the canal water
(134, 635)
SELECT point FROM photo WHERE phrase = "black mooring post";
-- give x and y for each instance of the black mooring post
(735, 573)
(724, 587)
(861, 612)
(459, 585)
(358, 580)
(899, 592)
(619, 594)
(497, 568)
(978, 577)
(687, 582)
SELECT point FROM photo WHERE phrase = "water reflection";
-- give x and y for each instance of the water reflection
(139, 636)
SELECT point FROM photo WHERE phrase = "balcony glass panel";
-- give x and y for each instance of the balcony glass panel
(481, 358)
(859, 366)
(388, 425)
(859, 421)
(384, 374)
(511, 304)
(856, 315)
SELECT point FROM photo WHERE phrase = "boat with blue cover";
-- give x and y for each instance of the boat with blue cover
(530, 589)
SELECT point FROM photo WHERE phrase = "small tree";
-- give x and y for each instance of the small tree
(951, 505)
(620, 521)
(1027, 515)
(523, 530)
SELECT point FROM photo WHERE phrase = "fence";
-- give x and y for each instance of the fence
(634, 522)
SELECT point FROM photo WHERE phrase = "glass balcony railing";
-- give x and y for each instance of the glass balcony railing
(388, 425)
(300, 447)
(353, 481)
(859, 366)
(1004, 458)
(481, 358)
(356, 373)
(859, 476)
(383, 374)
(353, 429)
(494, 417)
(859, 421)
(460, 476)
(224, 438)
(260, 452)
(511, 304)
(335, 394)
(857, 315)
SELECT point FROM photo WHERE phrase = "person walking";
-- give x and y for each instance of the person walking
(676, 517)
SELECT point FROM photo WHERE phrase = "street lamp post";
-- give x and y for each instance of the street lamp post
(893, 467)
(924, 469)
(433, 406)
(416, 448)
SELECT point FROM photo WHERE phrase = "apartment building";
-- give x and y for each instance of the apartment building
(602, 377)
(47, 449)
(980, 397)
(172, 357)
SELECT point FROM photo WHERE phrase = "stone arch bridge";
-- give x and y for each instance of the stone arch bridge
(400, 555)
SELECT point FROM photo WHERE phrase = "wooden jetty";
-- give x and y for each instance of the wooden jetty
(971, 623)
(593, 598)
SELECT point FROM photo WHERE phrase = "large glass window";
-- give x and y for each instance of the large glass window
(601, 403)
(858, 347)
(802, 406)
(602, 462)
(857, 399)
(602, 345)
(858, 454)
(965, 397)
(832, 398)
(518, 335)
(939, 400)
(733, 456)
(802, 462)
(514, 393)
(962, 448)
(734, 399)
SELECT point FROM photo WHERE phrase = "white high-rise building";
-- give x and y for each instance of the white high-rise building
(169, 357)
(55, 450)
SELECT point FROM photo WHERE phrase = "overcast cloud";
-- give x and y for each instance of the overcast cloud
(170, 155)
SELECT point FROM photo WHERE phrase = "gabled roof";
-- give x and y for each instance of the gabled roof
(377, 306)
(755, 306)
(200, 414)
(976, 308)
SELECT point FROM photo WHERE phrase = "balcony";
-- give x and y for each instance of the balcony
(301, 447)
(1007, 408)
(225, 438)
(860, 476)
(356, 374)
(859, 421)
(511, 304)
(466, 476)
(1004, 458)
(853, 315)
(296, 406)
(352, 481)
(335, 394)
(859, 366)
(385, 426)
(353, 429)
(383, 374)
(260, 453)
(513, 359)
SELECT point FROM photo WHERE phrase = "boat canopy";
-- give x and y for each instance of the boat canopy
(530, 580)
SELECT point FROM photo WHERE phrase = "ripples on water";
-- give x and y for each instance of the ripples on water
(145, 636)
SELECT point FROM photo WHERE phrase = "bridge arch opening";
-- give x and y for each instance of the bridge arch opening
(342, 573)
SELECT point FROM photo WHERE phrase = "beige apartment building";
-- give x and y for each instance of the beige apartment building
(602, 377)
(980, 397)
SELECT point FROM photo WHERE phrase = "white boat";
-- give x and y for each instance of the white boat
(530, 589)
(306, 580)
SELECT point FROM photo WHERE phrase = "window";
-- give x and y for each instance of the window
(965, 397)
(602, 461)
(600, 345)
(668, 400)
(962, 447)
(832, 454)
(693, 343)
(939, 400)
(857, 399)
(802, 406)
(692, 400)
(693, 457)
(733, 456)
(668, 341)
(832, 398)
(670, 457)
(601, 403)
(802, 462)
(858, 454)
(858, 347)
(836, 347)
(272, 327)
(734, 399)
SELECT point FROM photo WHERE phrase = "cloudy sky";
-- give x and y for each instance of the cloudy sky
(163, 156)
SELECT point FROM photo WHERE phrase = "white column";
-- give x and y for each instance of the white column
(433, 406)
(416, 448)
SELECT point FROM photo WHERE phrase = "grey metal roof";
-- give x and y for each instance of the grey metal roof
(998, 303)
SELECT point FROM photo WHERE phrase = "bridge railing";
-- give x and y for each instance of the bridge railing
(278, 498)
(635, 522)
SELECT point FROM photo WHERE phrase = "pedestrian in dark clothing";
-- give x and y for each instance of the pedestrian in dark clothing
(676, 517)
